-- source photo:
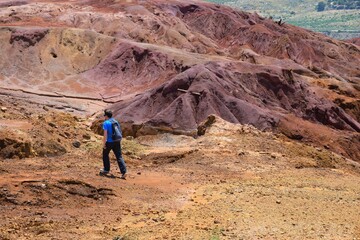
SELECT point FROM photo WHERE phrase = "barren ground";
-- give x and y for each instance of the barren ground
(234, 182)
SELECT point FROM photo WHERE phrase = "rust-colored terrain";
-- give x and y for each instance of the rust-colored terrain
(237, 127)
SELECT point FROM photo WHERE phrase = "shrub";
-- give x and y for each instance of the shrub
(320, 7)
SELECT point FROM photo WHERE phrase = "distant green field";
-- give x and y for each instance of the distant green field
(303, 13)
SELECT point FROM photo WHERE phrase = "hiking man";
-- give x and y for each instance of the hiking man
(112, 141)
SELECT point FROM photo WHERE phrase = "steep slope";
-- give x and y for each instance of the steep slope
(356, 41)
(194, 27)
(238, 92)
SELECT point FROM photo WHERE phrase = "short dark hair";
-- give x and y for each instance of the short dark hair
(108, 113)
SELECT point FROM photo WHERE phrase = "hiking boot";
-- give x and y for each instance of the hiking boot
(103, 171)
(123, 176)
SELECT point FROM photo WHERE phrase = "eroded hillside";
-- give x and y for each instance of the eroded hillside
(167, 65)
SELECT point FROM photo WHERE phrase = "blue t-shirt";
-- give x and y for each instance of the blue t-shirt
(108, 126)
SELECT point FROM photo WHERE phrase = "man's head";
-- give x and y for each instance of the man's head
(108, 113)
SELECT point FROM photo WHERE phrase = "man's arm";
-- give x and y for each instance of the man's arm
(104, 140)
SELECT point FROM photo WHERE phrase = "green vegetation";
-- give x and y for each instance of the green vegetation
(325, 17)
(329, 21)
(321, 6)
(215, 234)
(343, 4)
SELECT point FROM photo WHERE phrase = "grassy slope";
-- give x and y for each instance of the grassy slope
(340, 24)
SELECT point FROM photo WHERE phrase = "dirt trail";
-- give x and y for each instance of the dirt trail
(24, 125)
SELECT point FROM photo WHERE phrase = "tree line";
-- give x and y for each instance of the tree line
(338, 5)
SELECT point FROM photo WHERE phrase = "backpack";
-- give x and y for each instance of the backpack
(116, 131)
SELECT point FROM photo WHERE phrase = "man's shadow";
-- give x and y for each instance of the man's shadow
(110, 175)
(107, 175)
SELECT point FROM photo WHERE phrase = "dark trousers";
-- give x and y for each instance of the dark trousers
(116, 147)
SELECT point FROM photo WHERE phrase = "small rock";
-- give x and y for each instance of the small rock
(251, 22)
(76, 144)
(241, 153)
(278, 201)
(86, 136)
(129, 138)
(3, 109)
(51, 124)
